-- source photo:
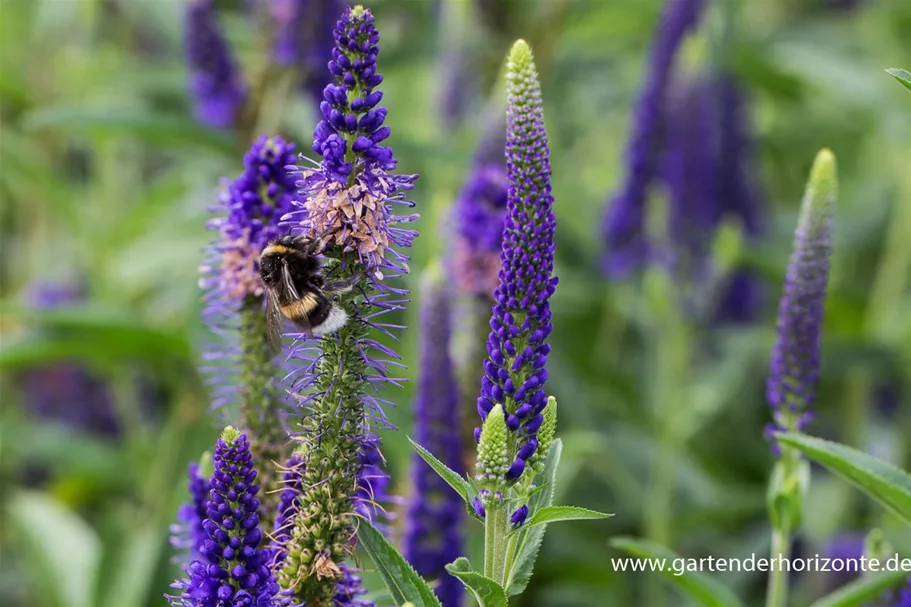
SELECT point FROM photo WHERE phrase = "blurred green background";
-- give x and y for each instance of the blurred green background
(105, 181)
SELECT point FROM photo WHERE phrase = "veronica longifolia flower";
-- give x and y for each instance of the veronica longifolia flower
(433, 527)
(216, 84)
(244, 373)
(480, 212)
(188, 534)
(791, 387)
(517, 347)
(349, 586)
(624, 224)
(233, 569)
(347, 200)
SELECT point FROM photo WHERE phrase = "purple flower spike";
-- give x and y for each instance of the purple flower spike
(434, 524)
(233, 569)
(189, 534)
(624, 224)
(349, 197)
(250, 209)
(372, 483)
(216, 84)
(517, 346)
(347, 202)
(480, 213)
(791, 386)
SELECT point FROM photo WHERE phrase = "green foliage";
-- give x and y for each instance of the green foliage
(555, 514)
(888, 485)
(400, 578)
(903, 76)
(865, 591)
(453, 479)
(486, 592)
(700, 587)
(530, 539)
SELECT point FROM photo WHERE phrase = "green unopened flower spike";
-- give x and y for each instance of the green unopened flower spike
(493, 460)
(546, 434)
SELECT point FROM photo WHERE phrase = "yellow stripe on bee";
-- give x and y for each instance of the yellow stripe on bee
(301, 307)
(276, 249)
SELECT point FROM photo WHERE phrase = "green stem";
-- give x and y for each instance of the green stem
(496, 528)
(670, 344)
(778, 577)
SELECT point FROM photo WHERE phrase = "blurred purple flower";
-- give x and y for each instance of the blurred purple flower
(435, 515)
(67, 392)
(216, 84)
(706, 168)
(188, 534)
(624, 223)
(515, 370)
(303, 38)
(480, 212)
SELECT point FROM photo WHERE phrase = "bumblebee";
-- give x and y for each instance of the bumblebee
(296, 289)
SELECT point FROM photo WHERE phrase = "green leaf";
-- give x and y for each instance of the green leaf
(530, 539)
(704, 589)
(486, 591)
(160, 129)
(129, 582)
(863, 591)
(403, 582)
(554, 514)
(903, 76)
(64, 549)
(92, 332)
(882, 481)
(452, 478)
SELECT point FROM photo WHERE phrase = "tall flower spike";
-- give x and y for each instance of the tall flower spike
(624, 223)
(233, 569)
(349, 586)
(434, 523)
(243, 370)
(188, 534)
(216, 84)
(791, 387)
(347, 200)
(515, 370)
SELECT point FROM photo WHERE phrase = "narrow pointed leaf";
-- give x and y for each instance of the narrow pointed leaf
(452, 478)
(864, 591)
(903, 76)
(487, 592)
(702, 588)
(530, 539)
(554, 514)
(403, 582)
(52, 535)
(885, 483)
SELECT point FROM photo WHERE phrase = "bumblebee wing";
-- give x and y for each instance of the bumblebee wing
(274, 322)
(288, 282)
